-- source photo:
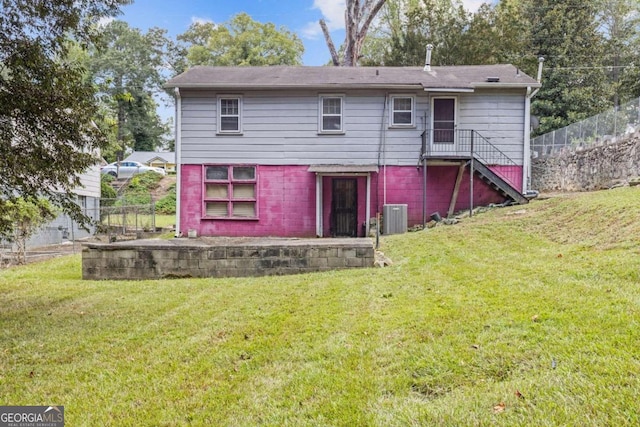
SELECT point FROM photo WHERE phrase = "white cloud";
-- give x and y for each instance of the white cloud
(105, 20)
(333, 14)
(473, 5)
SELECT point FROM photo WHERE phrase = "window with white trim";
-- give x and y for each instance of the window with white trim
(331, 107)
(229, 114)
(402, 110)
(230, 192)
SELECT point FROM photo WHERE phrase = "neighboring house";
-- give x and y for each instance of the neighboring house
(165, 160)
(63, 228)
(319, 151)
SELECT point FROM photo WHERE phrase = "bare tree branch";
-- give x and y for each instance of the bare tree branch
(330, 45)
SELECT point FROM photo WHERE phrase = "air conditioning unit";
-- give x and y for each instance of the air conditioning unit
(394, 219)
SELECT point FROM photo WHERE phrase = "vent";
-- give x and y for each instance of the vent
(394, 219)
(493, 79)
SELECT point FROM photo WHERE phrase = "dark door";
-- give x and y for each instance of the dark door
(344, 207)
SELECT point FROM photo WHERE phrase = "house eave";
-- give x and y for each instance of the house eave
(332, 86)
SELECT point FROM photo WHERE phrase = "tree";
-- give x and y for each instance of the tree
(358, 19)
(241, 41)
(47, 137)
(127, 69)
(575, 83)
(26, 216)
(620, 23)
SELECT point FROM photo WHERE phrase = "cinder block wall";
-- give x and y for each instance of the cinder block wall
(182, 258)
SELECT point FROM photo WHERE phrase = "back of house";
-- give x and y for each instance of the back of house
(319, 151)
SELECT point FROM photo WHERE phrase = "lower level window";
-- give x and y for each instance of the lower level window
(230, 192)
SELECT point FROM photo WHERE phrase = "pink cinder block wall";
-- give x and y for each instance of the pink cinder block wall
(287, 200)
(404, 186)
(286, 204)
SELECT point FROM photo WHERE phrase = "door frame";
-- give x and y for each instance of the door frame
(353, 222)
(319, 197)
(441, 146)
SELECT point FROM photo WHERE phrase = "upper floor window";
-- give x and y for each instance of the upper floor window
(229, 114)
(402, 111)
(331, 107)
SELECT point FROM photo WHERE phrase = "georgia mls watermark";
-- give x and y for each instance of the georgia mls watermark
(31, 416)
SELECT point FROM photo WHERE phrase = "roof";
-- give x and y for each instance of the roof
(462, 77)
(148, 156)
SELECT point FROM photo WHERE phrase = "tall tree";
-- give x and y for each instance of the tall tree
(241, 41)
(47, 137)
(575, 83)
(620, 23)
(127, 69)
(358, 19)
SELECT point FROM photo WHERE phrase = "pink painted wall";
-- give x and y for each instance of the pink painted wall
(287, 203)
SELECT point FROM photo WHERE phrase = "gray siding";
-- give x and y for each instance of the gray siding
(499, 117)
(282, 128)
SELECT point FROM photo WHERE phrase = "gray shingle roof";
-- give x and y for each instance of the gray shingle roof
(453, 77)
(147, 156)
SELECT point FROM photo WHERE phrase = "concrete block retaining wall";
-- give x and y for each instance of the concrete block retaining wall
(211, 257)
(593, 168)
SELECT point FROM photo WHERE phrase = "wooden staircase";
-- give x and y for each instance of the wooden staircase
(497, 183)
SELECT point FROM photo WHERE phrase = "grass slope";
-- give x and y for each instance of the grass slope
(519, 316)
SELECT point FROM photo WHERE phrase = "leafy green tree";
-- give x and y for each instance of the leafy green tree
(127, 70)
(27, 216)
(575, 83)
(47, 134)
(241, 41)
(620, 23)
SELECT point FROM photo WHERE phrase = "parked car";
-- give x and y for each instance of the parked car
(128, 169)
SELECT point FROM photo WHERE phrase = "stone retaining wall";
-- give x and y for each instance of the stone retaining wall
(597, 167)
(203, 257)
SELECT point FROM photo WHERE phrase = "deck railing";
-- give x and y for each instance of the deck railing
(469, 144)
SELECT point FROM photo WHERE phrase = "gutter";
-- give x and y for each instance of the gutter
(178, 149)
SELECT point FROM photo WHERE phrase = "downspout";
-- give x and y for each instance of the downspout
(526, 167)
(382, 154)
(178, 149)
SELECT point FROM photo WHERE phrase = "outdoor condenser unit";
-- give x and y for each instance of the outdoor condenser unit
(394, 219)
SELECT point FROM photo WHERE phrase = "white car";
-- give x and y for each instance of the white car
(128, 169)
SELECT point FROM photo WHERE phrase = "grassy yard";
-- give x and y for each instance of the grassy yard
(525, 315)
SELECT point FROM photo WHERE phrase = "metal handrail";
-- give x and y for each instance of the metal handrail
(468, 143)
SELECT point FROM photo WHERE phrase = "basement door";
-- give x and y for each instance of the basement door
(344, 207)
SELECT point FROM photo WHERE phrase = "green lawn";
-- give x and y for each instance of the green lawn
(522, 316)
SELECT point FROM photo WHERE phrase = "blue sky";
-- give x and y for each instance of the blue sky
(299, 16)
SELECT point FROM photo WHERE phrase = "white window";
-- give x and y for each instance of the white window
(230, 192)
(331, 107)
(402, 110)
(229, 114)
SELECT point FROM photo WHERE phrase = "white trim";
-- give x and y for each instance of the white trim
(178, 150)
(219, 114)
(456, 115)
(449, 90)
(526, 154)
(321, 114)
(367, 206)
(319, 205)
(392, 124)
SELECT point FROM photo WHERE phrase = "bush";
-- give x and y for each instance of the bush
(146, 181)
(167, 205)
(106, 190)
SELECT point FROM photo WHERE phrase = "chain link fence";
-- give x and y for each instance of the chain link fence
(605, 127)
(117, 217)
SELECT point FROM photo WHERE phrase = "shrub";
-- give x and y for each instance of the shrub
(167, 205)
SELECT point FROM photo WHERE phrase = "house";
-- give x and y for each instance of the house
(63, 228)
(159, 159)
(319, 151)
